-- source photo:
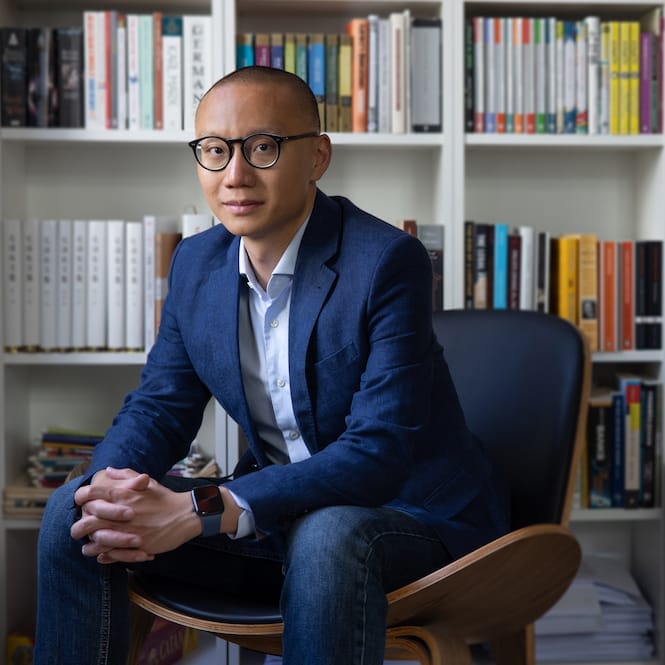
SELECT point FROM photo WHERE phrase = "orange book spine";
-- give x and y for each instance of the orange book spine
(158, 68)
(608, 296)
(358, 28)
(627, 288)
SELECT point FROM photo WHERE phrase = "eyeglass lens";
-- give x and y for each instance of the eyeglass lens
(260, 151)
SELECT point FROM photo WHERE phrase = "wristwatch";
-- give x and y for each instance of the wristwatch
(208, 505)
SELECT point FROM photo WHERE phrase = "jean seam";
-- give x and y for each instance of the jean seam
(105, 616)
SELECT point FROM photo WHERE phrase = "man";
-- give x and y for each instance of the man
(310, 322)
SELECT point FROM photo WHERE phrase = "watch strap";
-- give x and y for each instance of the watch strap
(211, 524)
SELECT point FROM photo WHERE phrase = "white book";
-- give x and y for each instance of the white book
(121, 77)
(373, 74)
(172, 71)
(569, 77)
(509, 34)
(64, 285)
(134, 289)
(604, 93)
(48, 254)
(385, 98)
(31, 284)
(115, 284)
(541, 76)
(560, 77)
(152, 224)
(12, 279)
(593, 73)
(94, 90)
(500, 74)
(79, 281)
(194, 222)
(146, 71)
(96, 310)
(398, 72)
(197, 63)
(426, 75)
(408, 40)
(490, 76)
(529, 77)
(518, 73)
(527, 267)
(550, 64)
(479, 73)
(581, 70)
(133, 92)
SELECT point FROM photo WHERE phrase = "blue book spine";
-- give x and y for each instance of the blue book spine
(570, 49)
(245, 51)
(500, 295)
(301, 59)
(618, 436)
(277, 56)
(316, 69)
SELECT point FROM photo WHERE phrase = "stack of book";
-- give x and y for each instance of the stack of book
(603, 617)
(612, 290)
(547, 75)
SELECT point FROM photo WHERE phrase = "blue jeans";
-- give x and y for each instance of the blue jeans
(333, 569)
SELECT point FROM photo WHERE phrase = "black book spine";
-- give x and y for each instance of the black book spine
(69, 76)
(14, 76)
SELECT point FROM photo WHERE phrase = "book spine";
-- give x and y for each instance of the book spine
(48, 238)
(479, 73)
(290, 52)
(134, 334)
(581, 82)
(165, 244)
(627, 295)
(385, 102)
(500, 74)
(111, 55)
(146, 72)
(567, 275)
(121, 71)
(608, 283)
(245, 52)
(316, 73)
(654, 333)
(426, 76)
(651, 404)
(172, 72)
(587, 312)
(469, 83)
(96, 309)
(14, 76)
(618, 437)
(480, 276)
(197, 63)
(133, 73)
(570, 70)
(543, 256)
(39, 62)
(529, 76)
(560, 76)
(262, 49)
(527, 267)
(615, 76)
(509, 51)
(540, 76)
(518, 74)
(599, 437)
(604, 103)
(332, 82)
(514, 265)
(398, 79)
(633, 77)
(301, 55)
(646, 76)
(79, 279)
(373, 73)
(277, 50)
(115, 284)
(345, 119)
(550, 65)
(432, 237)
(632, 442)
(469, 262)
(358, 29)
(64, 279)
(31, 284)
(12, 278)
(490, 76)
(158, 70)
(593, 73)
(500, 285)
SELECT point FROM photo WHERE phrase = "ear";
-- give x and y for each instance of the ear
(321, 157)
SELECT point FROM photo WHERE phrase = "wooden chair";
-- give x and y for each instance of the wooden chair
(523, 379)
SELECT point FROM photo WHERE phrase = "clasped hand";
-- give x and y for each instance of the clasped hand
(129, 517)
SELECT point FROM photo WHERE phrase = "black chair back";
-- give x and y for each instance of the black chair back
(519, 376)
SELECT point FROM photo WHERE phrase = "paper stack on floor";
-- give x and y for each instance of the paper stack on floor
(602, 617)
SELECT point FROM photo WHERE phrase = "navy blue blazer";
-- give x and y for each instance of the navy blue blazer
(371, 391)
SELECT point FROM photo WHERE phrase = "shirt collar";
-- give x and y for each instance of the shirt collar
(285, 266)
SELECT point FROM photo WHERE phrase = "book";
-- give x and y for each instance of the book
(13, 45)
(604, 66)
(290, 52)
(12, 280)
(551, 74)
(527, 267)
(146, 72)
(172, 71)
(599, 448)
(301, 55)
(157, 70)
(133, 73)
(316, 73)
(48, 255)
(332, 83)
(64, 282)
(478, 74)
(614, 76)
(134, 335)
(95, 304)
(529, 78)
(41, 96)
(245, 52)
(115, 284)
(608, 287)
(648, 299)
(94, 56)
(516, 46)
(540, 76)
(469, 262)
(358, 29)
(567, 271)
(509, 77)
(165, 244)
(650, 441)
(592, 24)
(514, 267)
(432, 237)
(469, 75)
(500, 283)
(426, 75)
(277, 50)
(79, 280)
(633, 77)
(490, 71)
(480, 268)
(384, 101)
(618, 443)
(194, 222)
(543, 259)
(569, 77)
(373, 72)
(345, 117)
(261, 49)
(626, 310)
(31, 292)
(587, 288)
(631, 387)
(581, 83)
(121, 80)
(197, 74)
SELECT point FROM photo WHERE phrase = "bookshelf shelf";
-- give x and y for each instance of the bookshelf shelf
(613, 186)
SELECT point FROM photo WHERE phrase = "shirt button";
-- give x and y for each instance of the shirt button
(293, 434)
(274, 323)
(281, 383)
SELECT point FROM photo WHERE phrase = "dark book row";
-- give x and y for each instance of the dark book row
(42, 83)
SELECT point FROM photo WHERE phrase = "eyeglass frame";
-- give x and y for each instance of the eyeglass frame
(230, 144)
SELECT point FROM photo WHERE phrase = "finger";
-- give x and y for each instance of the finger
(104, 540)
(124, 556)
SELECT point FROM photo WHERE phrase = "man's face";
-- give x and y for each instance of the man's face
(264, 205)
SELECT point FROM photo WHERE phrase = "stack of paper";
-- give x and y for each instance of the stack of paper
(602, 617)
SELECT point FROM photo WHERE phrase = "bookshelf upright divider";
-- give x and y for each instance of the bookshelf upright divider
(613, 186)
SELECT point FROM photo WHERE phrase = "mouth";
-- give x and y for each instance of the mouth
(241, 207)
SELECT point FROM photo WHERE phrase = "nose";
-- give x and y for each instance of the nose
(237, 171)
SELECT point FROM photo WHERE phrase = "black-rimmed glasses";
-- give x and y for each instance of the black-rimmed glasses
(261, 151)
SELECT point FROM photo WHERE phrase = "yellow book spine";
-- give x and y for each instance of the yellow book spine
(587, 308)
(624, 77)
(345, 82)
(568, 278)
(634, 78)
(290, 52)
(614, 77)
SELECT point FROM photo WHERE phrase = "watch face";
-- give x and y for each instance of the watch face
(208, 500)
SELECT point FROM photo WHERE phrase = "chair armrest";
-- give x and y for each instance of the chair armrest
(494, 590)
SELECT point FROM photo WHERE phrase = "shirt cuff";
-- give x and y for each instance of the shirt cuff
(246, 522)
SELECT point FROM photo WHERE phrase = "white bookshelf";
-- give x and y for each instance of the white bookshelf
(614, 186)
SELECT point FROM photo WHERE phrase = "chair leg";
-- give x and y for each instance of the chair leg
(140, 624)
(515, 649)
(430, 645)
